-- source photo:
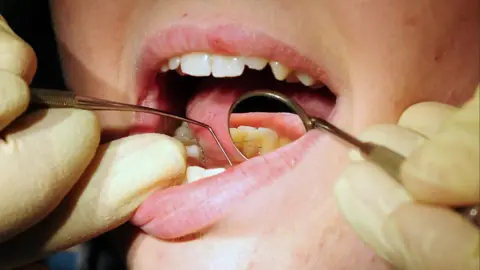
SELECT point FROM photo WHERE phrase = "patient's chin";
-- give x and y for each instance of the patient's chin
(282, 250)
(292, 224)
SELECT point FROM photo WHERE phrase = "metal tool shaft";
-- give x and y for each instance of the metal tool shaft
(65, 99)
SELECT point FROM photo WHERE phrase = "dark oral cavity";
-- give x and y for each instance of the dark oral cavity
(187, 209)
(213, 98)
(183, 210)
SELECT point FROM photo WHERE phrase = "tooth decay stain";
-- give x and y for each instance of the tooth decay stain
(249, 140)
(256, 141)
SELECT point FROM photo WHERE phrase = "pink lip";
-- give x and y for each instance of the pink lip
(183, 210)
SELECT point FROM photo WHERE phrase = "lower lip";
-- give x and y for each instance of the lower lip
(184, 210)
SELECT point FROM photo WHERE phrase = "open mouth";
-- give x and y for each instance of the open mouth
(202, 82)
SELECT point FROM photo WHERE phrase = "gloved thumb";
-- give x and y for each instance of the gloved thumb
(408, 235)
(427, 237)
(445, 169)
(121, 176)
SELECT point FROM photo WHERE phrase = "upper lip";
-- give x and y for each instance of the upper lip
(225, 39)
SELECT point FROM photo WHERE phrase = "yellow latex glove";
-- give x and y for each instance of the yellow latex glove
(410, 225)
(58, 186)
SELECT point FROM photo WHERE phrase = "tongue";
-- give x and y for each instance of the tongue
(213, 100)
(211, 105)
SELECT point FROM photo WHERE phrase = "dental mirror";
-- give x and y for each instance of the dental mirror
(261, 121)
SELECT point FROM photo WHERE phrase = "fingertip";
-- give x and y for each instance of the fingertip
(16, 56)
(426, 118)
(15, 97)
(4, 24)
(427, 174)
(366, 196)
(428, 237)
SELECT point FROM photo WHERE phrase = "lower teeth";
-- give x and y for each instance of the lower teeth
(195, 173)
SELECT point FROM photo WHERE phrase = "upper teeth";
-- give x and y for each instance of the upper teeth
(220, 66)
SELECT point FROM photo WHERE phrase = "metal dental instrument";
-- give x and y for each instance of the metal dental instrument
(64, 99)
(383, 157)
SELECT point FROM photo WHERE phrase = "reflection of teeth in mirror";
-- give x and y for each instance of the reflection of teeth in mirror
(269, 140)
(253, 142)
(200, 64)
(195, 173)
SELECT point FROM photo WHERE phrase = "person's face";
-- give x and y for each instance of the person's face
(377, 56)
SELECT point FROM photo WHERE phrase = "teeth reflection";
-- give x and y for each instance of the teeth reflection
(252, 141)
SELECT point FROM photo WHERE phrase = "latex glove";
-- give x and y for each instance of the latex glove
(408, 225)
(58, 186)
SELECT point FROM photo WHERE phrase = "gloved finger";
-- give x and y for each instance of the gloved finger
(430, 238)
(16, 56)
(121, 176)
(365, 193)
(366, 196)
(42, 156)
(401, 140)
(445, 170)
(14, 98)
(426, 118)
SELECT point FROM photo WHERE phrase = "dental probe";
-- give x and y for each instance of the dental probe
(383, 157)
(65, 99)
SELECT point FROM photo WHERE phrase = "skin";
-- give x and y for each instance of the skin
(382, 57)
